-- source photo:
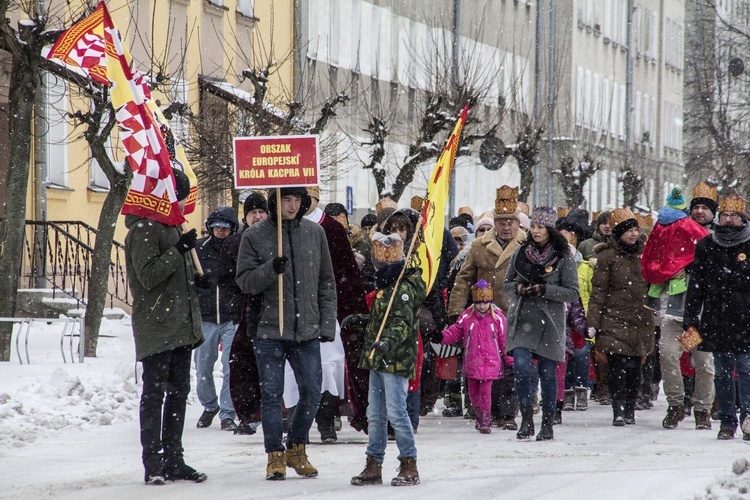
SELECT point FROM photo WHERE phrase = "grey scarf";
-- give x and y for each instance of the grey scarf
(730, 236)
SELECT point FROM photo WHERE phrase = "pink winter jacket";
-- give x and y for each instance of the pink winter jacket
(483, 338)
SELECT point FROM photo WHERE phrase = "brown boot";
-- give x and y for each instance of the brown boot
(407, 473)
(296, 458)
(373, 473)
(276, 469)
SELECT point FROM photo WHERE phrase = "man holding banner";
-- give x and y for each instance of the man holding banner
(308, 317)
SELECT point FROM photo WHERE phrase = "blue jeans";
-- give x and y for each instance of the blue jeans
(387, 402)
(524, 386)
(725, 364)
(413, 403)
(577, 374)
(205, 359)
(304, 358)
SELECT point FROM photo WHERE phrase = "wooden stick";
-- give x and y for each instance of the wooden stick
(398, 280)
(280, 254)
(193, 253)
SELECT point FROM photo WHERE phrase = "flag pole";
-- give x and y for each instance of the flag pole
(280, 254)
(398, 280)
(193, 253)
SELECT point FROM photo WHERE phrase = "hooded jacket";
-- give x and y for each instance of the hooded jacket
(165, 305)
(217, 303)
(309, 284)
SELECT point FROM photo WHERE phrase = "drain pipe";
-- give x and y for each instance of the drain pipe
(41, 126)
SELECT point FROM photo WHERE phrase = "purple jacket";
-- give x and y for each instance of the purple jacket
(483, 338)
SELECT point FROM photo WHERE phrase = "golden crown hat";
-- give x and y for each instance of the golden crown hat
(595, 215)
(563, 212)
(314, 192)
(385, 203)
(732, 203)
(417, 202)
(466, 210)
(505, 200)
(648, 222)
(704, 190)
(481, 291)
(544, 216)
(620, 215)
(524, 207)
(393, 252)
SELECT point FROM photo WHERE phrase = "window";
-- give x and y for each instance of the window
(607, 25)
(385, 67)
(595, 110)
(615, 116)
(587, 99)
(178, 92)
(579, 96)
(368, 40)
(97, 178)
(245, 7)
(622, 112)
(57, 129)
(606, 122)
(637, 118)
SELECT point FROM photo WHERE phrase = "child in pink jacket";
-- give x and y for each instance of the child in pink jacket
(482, 329)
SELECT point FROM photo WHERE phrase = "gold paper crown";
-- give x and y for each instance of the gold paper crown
(595, 215)
(314, 192)
(524, 207)
(544, 216)
(385, 203)
(563, 212)
(383, 253)
(732, 203)
(620, 215)
(505, 200)
(648, 222)
(466, 210)
(704, 190)
(417, 202)
(481, 294)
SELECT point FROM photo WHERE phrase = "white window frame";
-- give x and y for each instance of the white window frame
(57, 129)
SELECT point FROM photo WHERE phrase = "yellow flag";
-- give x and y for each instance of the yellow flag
(433, 210)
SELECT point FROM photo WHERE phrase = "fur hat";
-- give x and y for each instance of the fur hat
(181, 184)
(544, 216)
(254, 201)
(506, 205)
(481, 291)
(676, 199)
(732, 203)
(386, 249)
(705, 194)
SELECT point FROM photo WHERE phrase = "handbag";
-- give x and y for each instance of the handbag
(690, 339)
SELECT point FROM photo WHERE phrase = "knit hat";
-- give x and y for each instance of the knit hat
(523, 221)
(254, 201)
(705, 194)
(481, 291)
(485, 221)
(544, 216)
(622, 219)
(386, 249)
(181, 184)
(457, 222)
(368, 220)
(676, 200)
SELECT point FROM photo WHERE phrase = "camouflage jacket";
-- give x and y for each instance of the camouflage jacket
(401, 327)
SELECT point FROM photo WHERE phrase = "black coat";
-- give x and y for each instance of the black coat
(720, 285)
(230, 292)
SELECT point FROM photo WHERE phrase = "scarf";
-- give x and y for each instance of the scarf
(388, 274)
(541, 256)
(730, 236)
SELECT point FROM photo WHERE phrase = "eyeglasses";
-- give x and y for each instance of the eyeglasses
(730, 215)
(458, 239)
(482, 230)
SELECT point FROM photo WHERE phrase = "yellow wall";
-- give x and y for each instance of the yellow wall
(205, 40)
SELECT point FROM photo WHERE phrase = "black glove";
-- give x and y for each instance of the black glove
(453, 318)
(436, 337)
(202, 281)
(522, 290)
(380, 347)
(356, 321)
(279, 264)
(187, 241)
(323, 340)
(508, 372)
(536, 290)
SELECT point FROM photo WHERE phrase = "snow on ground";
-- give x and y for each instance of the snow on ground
(71, 431)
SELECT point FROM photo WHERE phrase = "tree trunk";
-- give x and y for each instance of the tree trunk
(100, 261)
(526, 169)
(24, 82)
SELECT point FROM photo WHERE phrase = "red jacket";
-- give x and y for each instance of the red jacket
(670, 249)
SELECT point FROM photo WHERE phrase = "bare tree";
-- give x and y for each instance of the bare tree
(574, 173)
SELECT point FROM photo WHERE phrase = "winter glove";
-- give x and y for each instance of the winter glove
(356, 321)
(508, 372)
(436, 337)
(202, 281)
(380, 347)
(279, 264)
(324, 340)
(453, 318)
(522, 290)
(591, 332)
(187, 241)
(536, 290)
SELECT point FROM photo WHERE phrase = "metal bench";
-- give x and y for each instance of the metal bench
(69, 331)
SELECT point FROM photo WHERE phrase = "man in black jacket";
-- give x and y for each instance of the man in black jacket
(218, 328)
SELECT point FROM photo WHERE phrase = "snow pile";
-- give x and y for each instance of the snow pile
(63, 399)
(731, 486)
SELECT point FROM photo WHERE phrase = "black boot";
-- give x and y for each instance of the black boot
(527, 423)
(546, 433)
(629, 413)
(557, 420)
(618, 419)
